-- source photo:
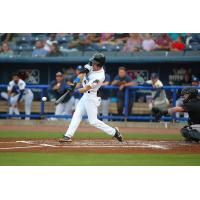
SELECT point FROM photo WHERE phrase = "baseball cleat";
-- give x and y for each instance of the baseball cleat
(65, 139)
(118, 135)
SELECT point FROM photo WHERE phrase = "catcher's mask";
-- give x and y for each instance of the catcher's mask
(188, 94)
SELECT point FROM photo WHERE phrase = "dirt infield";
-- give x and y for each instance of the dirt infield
(63, 129)
(94, 145)
(98, 146)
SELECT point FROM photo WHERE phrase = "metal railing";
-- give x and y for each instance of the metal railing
(42, 113)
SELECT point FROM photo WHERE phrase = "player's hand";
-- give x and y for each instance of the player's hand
(15, 105)
(121, 87)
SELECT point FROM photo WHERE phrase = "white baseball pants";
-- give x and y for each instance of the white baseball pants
(179, 102)
(88, 105)
(65, 108)
(27, 98)
(105, 108)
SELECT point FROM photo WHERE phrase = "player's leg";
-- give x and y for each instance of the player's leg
(105, 108)
(76, 119)
(179, 102)
(59, 110)
(91, 106)
(130, 105)
(120, 105)
(186, 115)
(28, 99)
(13, 101)
(68, 106)
(76, 102)
(4, 95)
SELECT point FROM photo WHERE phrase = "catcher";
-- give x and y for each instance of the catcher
(191, 105)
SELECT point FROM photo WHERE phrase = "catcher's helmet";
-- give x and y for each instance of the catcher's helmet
(189, 93)
(98, 58)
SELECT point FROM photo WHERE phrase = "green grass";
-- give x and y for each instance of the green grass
(89, 159)
(30, 135)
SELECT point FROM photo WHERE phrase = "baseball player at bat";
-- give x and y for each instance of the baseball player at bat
(92, 76)
(191, 105)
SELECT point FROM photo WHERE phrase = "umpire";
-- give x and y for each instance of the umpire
(191, 105)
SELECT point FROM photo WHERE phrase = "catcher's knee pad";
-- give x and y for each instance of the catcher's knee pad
(190, 134)
(185, 132)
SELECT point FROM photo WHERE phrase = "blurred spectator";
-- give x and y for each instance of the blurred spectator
(39, 51)
(5, 50)
(93, 37)
(159, 99)
(148, 44)
(79, 42)
(178, 45)
(50, 42)
(133, 43)
(123, 80)
(105, 94)
(121, 38)
(174, 36)
(186, 79)
(56, 89)
(163, 42)
(107, 38)
(54, 51)
(78, 95)
(17, 92)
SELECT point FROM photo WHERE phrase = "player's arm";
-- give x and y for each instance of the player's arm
(85, 89)
(105, 83)
(82, 74)
(158, 113)
(175, 110)
(21, 93)
(22, 86)
(157, 94)
(90, 85)
(131, 83)
(115, 82)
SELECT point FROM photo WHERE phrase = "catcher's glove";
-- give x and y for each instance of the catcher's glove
(158, 113)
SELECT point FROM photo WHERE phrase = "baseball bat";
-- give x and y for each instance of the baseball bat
(62, 97)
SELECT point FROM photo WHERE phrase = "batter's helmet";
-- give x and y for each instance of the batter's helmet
(189, 93)
(98, 58)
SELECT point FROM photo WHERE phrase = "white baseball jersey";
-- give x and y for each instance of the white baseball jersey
(94, 79)
(21, 85)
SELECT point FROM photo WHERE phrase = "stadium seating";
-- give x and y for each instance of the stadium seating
(22, 44)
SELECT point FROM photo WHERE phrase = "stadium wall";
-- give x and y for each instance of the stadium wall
(43, 69)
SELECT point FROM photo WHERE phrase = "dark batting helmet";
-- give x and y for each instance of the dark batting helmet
(189, 93)
(98, 58)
